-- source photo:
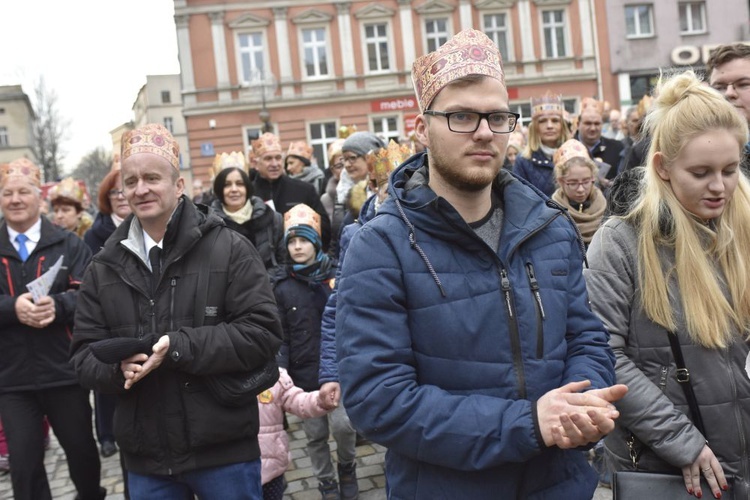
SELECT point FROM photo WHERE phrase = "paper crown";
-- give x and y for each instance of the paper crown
(549, 102)
(516, 140)
(335, 149)
(300, 148)
(644, 105)
(67, 189)
(302, 215)
(589, 103)
(345, 131)
(265, 143)
(385, 160)
(151, 138)
(228, 160)
(21, 167)
(569, 149)
(469, 52)
(116, 165)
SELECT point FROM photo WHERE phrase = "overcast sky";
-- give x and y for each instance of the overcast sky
(95, 55)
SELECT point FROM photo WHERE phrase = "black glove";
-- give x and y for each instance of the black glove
(115, 350)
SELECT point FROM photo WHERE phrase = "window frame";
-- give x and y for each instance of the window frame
(240, 51)
(562, 26)
(325, 45)
(430, 37)
(639, 34)
(168, 122)
(166, 97)
(686, 7)
(320, 144)
(4, 137)
(381, 118)
(388, 38)
(508, 32)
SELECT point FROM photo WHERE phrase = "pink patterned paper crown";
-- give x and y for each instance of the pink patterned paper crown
(591, 103)
(228, 160)
(151, 138)
(302, 214)
(385, 160)
(300, 148)
(21, 167)
(570, 149)
(265, 143)
(549, 102)
(69, 189)
(469, 52)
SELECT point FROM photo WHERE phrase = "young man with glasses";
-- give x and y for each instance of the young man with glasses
(728, 71)
(463, 331)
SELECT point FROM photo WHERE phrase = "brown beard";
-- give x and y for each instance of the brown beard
(459, 179)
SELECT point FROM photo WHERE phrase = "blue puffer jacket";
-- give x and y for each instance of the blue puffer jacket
(537, 170)
(445, 346)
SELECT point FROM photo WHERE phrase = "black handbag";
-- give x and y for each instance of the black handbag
(635, 485)
(234, 389)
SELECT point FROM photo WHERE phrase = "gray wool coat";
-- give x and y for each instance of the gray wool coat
(655, 409)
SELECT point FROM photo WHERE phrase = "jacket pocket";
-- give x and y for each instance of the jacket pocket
(208, 422)
(129, 433)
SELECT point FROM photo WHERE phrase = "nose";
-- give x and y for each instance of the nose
(483, 130)
(717, 183)
(141, 188)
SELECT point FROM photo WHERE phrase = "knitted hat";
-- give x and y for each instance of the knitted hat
(303, 221)
(151, 138)
(21, 167)
(570, 149)
(549, 102)
(469, 52)
(362, 143)
(265, 143)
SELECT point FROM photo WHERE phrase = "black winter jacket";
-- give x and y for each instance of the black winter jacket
(36, 358)
(102, 228)
(168, 422)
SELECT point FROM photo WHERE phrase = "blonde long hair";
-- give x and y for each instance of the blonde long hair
(686, 108)
(535, 142)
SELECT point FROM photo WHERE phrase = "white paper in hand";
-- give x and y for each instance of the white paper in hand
(747, 365)
(41, 286)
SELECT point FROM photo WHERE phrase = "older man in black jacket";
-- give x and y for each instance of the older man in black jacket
(142, 290)
(35, 376)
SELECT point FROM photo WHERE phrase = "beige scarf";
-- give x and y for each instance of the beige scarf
(589, 219)
(242, 215)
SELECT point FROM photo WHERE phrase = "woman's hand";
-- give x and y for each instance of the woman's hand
(709, 466)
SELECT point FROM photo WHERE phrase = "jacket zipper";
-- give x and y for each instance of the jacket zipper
(534, 284)
(515, 339)
(172, 285)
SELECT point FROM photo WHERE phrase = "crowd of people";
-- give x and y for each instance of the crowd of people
(500, 301)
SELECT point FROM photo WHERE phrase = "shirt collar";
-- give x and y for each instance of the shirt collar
(34, 233)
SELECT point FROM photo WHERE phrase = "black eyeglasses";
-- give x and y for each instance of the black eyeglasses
(467, 122)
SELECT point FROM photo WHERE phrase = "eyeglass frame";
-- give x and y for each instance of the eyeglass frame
(114, 193)
(722, 87)
(350, 159)
(482, 116)
(575, 185)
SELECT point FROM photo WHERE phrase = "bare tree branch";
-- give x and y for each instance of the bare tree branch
(92, 169)
(48, 129)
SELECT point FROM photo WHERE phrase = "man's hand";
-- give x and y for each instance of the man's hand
(329, 395)
(38, 315)
(138, 366)
(569, 418)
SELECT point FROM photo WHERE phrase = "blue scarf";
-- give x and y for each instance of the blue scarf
(319, 270)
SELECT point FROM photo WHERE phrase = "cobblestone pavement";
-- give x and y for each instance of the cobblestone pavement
(302, 484)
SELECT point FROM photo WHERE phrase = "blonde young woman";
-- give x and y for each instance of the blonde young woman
(678, 262)
(547, 132)
(575, 174)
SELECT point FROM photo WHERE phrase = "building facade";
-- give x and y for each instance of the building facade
(648, 36)
(16, 117)
(304, 68)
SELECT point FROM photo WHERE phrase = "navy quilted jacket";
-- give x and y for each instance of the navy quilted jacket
(538, 170)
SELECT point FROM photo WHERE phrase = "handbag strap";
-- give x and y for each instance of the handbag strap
(683, 377)
(201, 292)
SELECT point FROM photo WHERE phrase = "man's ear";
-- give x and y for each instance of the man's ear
(661, 169)
(421, 131)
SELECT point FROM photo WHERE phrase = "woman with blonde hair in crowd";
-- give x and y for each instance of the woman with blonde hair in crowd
(575, 174)
(670, 280)
(547, 132)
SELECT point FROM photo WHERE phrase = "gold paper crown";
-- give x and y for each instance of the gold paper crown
(335, 149)
(592, 104)
(469, 52)
(115, 162)
(151, 138)
(21, 167)
(300, 215)
(549, 102)
(68, 189)
(570, 149)
(228, 160)
(265, 143)
(345, 131)
(385, 160)
(300, 148)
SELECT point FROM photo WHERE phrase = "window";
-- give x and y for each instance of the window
(322, 134)
(639, 21)
(376, 40)
(251, 55)
(169, 124)
(314, 48)
(437, 33)
(386, 127)
(4, 142)
(165, 97)
(692, 18)
(496, 27)
(553, 26)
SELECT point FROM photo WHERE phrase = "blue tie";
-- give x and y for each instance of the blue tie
(23, 252)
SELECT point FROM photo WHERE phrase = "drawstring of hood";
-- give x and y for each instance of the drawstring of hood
(414, 245)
